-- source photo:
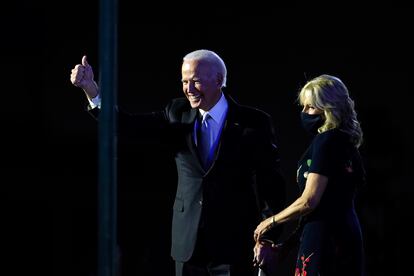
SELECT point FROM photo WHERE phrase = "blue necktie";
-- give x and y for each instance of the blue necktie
(205, 140)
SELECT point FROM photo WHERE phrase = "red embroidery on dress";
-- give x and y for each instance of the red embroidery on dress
(305, 261)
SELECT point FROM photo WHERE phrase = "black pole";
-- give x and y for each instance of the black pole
(107, 223)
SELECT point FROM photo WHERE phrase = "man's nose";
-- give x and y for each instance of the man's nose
(190, 87)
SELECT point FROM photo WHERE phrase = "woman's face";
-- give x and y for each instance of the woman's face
(308, 107)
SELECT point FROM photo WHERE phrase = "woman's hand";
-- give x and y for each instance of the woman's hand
(264, 226)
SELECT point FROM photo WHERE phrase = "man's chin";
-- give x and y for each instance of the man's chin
(195, 104)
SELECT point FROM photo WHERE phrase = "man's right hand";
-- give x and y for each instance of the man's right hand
(267, 256)
(82, 76)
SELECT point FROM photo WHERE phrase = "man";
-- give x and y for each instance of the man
(227, 163)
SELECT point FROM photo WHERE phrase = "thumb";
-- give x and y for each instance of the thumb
(84, 61)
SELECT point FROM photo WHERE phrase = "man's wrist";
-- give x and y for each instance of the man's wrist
(91, 90)
(95, 102)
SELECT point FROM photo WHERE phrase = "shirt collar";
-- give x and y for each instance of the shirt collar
(218, 111)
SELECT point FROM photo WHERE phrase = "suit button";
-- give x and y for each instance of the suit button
(200, 202)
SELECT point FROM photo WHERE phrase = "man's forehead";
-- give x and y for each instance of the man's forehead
(186, 66)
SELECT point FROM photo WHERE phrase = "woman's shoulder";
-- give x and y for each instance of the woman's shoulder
(333, 138)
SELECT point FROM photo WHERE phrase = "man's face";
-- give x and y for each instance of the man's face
(201, 84)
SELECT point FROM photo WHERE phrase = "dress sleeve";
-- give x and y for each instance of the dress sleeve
(326, 154)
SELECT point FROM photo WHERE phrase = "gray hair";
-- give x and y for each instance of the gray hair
(211, 58)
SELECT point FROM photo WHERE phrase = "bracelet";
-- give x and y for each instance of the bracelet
(273, 221)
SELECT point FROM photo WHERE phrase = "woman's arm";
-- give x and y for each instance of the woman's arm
(306, 203)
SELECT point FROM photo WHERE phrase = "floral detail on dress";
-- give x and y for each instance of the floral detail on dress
(308, 163)
(305, 261)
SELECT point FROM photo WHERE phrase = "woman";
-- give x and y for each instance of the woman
(329, 174)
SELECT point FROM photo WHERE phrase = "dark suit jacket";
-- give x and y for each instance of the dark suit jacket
(228, 200)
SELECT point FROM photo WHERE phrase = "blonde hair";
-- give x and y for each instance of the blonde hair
(329, 94)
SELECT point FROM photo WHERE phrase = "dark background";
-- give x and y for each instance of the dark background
(49, 150)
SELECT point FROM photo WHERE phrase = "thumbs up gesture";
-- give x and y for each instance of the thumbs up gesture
(82, 76)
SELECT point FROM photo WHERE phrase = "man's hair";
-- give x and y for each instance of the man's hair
(211, 58)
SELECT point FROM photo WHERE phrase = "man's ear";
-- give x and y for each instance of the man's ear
(219, 80)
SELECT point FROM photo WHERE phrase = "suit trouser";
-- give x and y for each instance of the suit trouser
(188, 269)
(201, 264)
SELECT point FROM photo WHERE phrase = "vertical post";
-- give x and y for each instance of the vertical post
(107, 209)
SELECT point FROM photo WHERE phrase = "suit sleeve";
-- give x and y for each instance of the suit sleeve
(147, 128)
(270, 181)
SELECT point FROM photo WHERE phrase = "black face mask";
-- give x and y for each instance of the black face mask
(311, 122)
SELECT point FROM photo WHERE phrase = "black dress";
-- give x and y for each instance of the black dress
(331, 241)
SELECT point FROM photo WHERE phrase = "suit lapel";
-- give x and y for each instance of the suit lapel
(232, 127)
(189, 117)
(231, 130)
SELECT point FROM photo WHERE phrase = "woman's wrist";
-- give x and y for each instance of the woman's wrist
(273, 222)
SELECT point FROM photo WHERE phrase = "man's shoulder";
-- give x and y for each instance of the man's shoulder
(177, 108)
(179, 105)
(253, 113)
(247, 110)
